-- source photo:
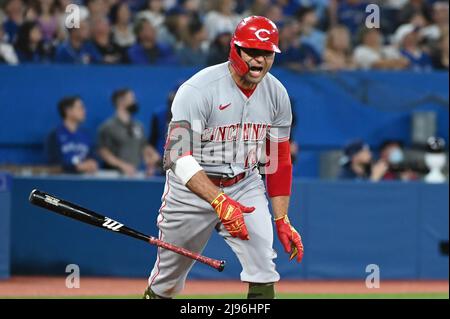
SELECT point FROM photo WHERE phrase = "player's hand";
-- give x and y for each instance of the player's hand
(230, 213)
(289, 237)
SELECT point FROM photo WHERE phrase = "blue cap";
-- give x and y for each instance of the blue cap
(352, 149)
(176, 10)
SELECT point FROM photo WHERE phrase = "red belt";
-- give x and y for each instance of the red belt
(226, 181)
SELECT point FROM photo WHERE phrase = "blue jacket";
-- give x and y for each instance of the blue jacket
(163, 55)
(65, 53)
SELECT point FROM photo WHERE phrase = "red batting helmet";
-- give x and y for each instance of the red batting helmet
(254, 32)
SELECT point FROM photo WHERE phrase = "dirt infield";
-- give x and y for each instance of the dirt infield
(55, 286)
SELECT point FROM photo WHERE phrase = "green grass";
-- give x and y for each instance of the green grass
(330, 296)
(279, 296)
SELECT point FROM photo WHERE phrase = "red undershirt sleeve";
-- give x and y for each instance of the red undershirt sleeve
(279, 183)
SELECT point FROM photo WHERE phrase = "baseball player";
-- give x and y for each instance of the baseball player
(223, 120)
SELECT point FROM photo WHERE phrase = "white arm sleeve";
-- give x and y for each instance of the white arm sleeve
(186, 167)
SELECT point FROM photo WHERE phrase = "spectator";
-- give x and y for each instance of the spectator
(147, 50)
(154, 13)
(121, 139)
(309, 34)
(275, 14)
(122, 30)
(97, 8)
(29, 44)
(257, 8)
(288, 7)
(407, 39)
(411, 8)
(357, 163)
(433, 32)
(219, 48)
(338, 51)
(295, 56)
(192, 7)
(391, 152)
(159, 123)
(221, 17)
(193, 51)
(106, 52)
(14, 10)
(371, 54)
(76, 49)
(351, 13)
(320, 6)
(440, 57)
(7, 52)
(68, 145)
(174, 30)
(47, 20)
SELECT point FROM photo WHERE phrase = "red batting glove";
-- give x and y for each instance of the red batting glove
(289, 237)
(230, 213)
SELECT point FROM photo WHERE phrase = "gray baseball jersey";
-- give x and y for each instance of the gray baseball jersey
(232, 129)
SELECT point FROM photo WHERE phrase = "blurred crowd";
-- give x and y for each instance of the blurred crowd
(314, 34)
(121, 147)
(392, 164)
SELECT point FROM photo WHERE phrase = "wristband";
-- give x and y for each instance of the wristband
(186, 167)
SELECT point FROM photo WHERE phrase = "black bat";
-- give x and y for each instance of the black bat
(84, 215)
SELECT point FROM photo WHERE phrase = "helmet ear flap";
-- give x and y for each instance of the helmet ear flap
(239, 65)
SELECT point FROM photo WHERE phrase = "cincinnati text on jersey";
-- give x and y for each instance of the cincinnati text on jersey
(237, 131)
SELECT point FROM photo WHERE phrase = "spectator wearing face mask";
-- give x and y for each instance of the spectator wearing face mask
(357, 163)
(121, 139)
(391, 152)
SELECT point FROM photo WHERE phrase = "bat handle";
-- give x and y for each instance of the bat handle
(217, 264)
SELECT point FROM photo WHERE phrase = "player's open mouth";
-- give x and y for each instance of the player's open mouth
(256, 71)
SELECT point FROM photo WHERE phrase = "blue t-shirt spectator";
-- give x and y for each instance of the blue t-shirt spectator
(10, 28)
(352, 15)
(304, 55)
(32, 57)
(68, 148)
(160, 54)
(66, 53)
(419, 62)
(315, 40)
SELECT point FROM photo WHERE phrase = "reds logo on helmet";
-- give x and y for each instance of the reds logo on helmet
(254, 32)
(259, 36)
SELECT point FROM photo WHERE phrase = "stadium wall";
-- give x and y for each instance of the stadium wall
(345, 227)
(5, 227)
